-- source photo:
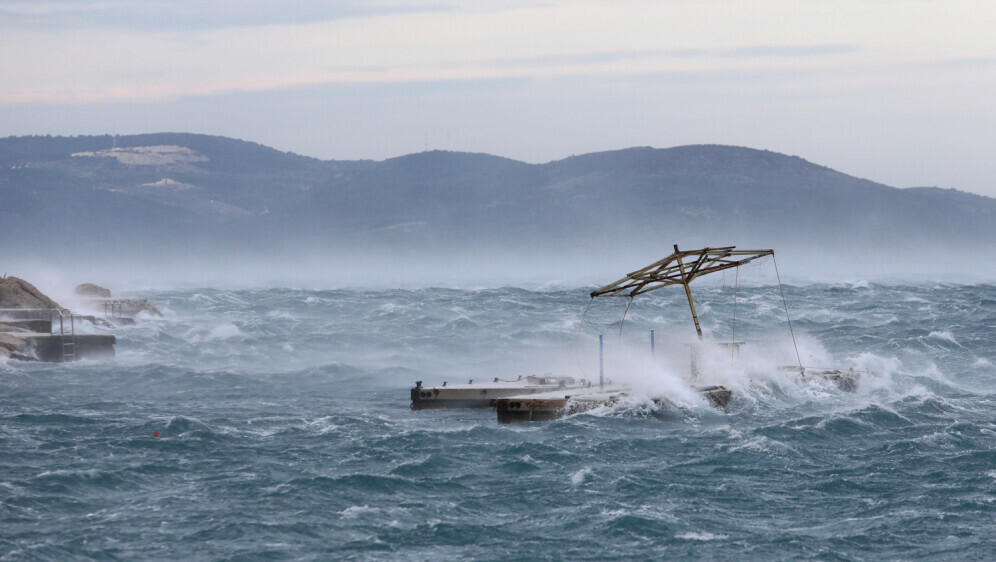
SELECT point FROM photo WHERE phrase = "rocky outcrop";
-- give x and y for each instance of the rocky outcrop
(147, 307)
(27, 332)
(99, 298)
(24, 316)
(11, 342)
(132, 307)
(89, 290)
(18, 293)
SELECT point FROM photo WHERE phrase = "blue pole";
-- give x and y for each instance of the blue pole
(601, 363)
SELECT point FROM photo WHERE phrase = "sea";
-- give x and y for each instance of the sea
(275, 424)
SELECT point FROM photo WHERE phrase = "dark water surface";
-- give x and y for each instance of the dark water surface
(286, 434)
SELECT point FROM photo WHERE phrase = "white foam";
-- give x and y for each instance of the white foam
(281, 314)
(578, 477)
(324, 425)
(701, 536)
(355, 511)
(944, 336)
(223, 331)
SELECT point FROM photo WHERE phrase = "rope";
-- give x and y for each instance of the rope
(787, 317)
(623, 321)
(577, 335)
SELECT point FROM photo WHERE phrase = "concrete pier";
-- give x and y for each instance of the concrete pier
(33, 346)
(483, 394)
(48, 335)
(551, 406)
(33, 327)
(49, 347)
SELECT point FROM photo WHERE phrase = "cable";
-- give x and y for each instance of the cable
(623, 321)
(787, 317)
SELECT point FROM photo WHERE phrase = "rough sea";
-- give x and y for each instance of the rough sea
(285, 433)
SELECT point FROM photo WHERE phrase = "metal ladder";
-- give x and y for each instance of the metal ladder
(68, 347)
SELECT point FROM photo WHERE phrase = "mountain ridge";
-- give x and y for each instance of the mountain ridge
(171, 194)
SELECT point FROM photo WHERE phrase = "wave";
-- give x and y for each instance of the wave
(291, 406)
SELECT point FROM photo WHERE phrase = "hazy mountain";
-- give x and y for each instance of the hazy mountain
(165, 196)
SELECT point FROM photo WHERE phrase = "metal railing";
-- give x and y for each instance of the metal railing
(113, 308)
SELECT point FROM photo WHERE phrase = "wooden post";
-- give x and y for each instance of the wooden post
(601, 364)
(688, 293)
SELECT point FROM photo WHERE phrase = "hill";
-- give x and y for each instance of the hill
(175, 196)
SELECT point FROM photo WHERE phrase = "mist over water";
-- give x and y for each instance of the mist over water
(535, 263)
(285, 430)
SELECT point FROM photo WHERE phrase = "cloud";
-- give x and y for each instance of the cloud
(598, 58)
(963, 62)
(187, 15)
(762, 51)
(570, 58)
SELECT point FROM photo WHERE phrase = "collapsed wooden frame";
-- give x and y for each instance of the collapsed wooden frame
(679, 268)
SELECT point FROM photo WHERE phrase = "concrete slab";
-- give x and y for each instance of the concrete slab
(551, 406)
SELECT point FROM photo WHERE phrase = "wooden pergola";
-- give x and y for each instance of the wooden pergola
(680, 268)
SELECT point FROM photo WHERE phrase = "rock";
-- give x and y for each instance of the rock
(115, 308)
(18, 293)
(136, 306)
(92, 291)
(10, 345)
(12, 342)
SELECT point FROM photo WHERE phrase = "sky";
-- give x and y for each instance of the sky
(896, 91)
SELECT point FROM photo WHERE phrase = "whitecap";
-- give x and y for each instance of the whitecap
(323, 425)
(701, 536)
(578, 477)
(354, 511)
(391, 308)
(762, 444)
(945, 336)
(223, 332)
(282, 314)
(88, 472)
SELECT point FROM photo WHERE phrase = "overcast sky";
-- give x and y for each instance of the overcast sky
(897, 91)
